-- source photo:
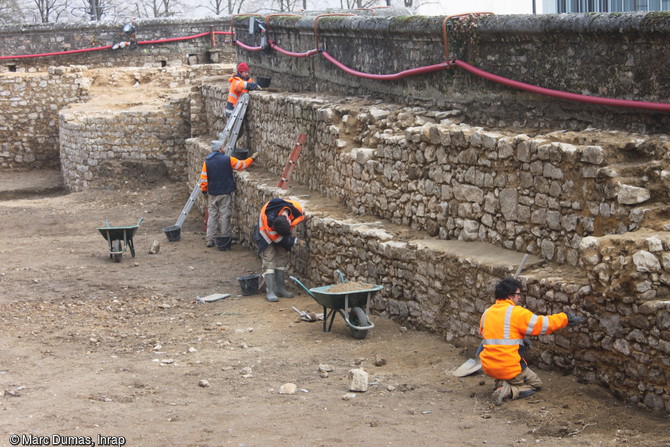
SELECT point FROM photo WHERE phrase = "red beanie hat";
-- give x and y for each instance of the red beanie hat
(242, 67)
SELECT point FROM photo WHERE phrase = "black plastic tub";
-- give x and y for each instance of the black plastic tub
(263, 82)
(249, 284)
(173, 233)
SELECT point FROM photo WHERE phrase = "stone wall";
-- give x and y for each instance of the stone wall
(29, 105)
(95, 139)
(604, 55)
(405, 197)
(34, 90)
(18, 40)
(89, 142)
(425, 170)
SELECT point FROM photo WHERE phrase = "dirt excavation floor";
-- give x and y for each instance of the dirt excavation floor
(90, 347)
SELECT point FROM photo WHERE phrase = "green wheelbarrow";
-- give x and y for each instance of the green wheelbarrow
(119, 239)
(348, 304)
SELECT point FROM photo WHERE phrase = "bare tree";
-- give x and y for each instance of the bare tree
(287, 5)
(357, 4)
(159, 8)
(220, 7)
(216, 6)
(170, 8)
(412, 5)
(49, 11)
(10, 12)
(96, 10)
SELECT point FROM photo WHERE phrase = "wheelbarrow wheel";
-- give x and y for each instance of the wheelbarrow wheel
(357, 317)
(116, 248)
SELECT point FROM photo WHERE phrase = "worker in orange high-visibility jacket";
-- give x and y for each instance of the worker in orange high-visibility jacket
(503, 328)
(218, 183)
(272, 234)
(240, 83)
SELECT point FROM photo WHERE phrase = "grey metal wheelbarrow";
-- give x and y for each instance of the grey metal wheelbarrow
(348, 304)
(119, 239)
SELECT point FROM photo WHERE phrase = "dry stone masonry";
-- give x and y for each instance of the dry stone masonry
(435, 193)
(95, 140)
(29, 115)
(420, 192)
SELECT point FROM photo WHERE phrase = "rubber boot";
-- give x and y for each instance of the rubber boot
(270, 288)
(279, 285)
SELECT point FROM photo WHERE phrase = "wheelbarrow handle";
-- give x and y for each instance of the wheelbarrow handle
(140, 221)
(339, 272)
(303, 286)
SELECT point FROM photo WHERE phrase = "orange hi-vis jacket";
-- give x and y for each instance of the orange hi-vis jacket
(238, 86)
(235, 165)
(269, 213)
(503, 327)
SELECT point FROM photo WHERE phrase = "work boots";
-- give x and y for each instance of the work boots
(270, 287)
(279, 284)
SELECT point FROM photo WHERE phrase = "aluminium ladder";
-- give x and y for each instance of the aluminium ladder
(233, 129)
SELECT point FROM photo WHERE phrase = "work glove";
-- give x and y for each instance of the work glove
(204, 192)
(252, 86)
(574, 320)
(254, 155)
(527, 344)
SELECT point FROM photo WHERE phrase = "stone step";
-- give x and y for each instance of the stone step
(30, 183)
(482, 253)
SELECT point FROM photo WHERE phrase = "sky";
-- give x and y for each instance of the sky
(445, 7)
(441, 7)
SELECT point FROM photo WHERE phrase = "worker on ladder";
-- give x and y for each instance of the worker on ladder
(240, 83)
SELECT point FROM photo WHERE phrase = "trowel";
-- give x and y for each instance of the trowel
(471, 366)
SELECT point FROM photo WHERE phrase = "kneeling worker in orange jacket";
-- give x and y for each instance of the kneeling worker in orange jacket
(503, 328)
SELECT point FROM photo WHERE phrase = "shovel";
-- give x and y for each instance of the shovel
(471, 366)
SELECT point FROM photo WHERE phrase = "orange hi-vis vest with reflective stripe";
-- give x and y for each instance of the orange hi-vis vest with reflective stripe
(503, 327)
(238, 86)
(225, 179)
(274, 208)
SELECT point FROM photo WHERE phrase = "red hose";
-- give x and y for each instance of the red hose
(291, 53)
(247, 47)
(564, 95)
(663, 107)
(23, 56)
(174, 39)
(387, 77)
(107, 47)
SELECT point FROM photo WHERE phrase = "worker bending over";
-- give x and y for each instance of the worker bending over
(273, 237)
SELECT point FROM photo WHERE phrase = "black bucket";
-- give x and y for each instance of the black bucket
(240, 154)
(223, 243)
(173, 233)
(263, 82)
(249, 284)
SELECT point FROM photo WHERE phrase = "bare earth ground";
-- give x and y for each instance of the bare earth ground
(92, 347)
